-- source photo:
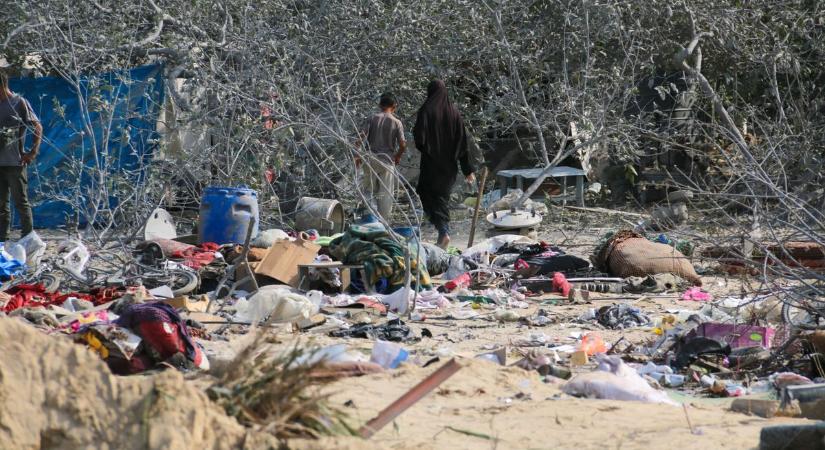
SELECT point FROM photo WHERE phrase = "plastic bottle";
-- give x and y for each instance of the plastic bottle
(506, 315)
(388, 355)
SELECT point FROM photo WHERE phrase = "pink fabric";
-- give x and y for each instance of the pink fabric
(696, 294)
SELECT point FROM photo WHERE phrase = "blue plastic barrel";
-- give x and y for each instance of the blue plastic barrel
(225, 214)
(407, 232)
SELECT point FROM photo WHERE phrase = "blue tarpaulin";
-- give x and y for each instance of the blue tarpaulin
(97, 124)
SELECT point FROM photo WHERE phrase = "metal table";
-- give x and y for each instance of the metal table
(504, 178)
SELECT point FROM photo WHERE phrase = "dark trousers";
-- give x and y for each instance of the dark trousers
(437, 207)
(14, 182)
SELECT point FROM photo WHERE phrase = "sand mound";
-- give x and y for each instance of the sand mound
(57, 394)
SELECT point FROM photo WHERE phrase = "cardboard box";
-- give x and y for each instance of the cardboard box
(282, 259)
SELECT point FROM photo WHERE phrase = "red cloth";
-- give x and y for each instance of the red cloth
(25, 295)
(32, 295)
(163, 337)
(197, 257)
(560, 284)
(166, 339)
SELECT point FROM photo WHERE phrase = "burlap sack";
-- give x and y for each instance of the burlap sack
(630, 255)
(637, 257)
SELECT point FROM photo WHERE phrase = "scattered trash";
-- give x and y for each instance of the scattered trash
(387, 354)
(35, 248)
(275, 304)
(394, 331)
(692, 348)
(614, 380)
(696, 294)
(592, 344)
(654, 284)
(736, 335)
(622, 316)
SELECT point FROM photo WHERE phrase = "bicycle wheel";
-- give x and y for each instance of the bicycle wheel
(804, 314)
(51, 282)
(181, 282)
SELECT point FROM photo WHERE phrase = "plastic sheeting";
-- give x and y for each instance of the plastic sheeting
(106, 121)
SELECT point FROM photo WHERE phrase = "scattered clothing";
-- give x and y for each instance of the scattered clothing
(547, 263)
(10, 267)
(440, 261)
(688, 350)
(654, 284)
(540, 259)
(621, 316)
(35, 295)
(614, 380)
(196, 257)
(164, 334)
(393, 331)
(381, 257)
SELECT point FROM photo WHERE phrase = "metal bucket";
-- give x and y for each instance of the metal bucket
(326, 216)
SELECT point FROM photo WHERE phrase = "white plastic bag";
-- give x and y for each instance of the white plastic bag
(494, 243)
(614, 380)
(74, 255)
(16, 251)
(278, 303)
(35, 248)
(398, 301)
(266, 238)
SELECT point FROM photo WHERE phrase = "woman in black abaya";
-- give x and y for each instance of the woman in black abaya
(441, 138)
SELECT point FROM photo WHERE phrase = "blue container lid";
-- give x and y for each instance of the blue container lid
(222, 190)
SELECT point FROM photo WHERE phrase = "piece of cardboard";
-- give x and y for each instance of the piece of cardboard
(579, 358)
(282, 260)
(187, 303)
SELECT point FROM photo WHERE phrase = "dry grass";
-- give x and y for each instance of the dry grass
(278, 394)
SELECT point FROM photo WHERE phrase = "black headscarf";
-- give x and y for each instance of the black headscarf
(439, 129)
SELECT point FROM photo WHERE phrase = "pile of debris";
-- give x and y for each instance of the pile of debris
(169, 304)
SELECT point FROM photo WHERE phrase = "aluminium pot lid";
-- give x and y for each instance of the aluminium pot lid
(510, 220)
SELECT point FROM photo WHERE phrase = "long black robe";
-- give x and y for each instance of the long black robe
(441, 138)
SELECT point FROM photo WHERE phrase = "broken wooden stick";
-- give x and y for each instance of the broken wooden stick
(410, 398)
(478, 206)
